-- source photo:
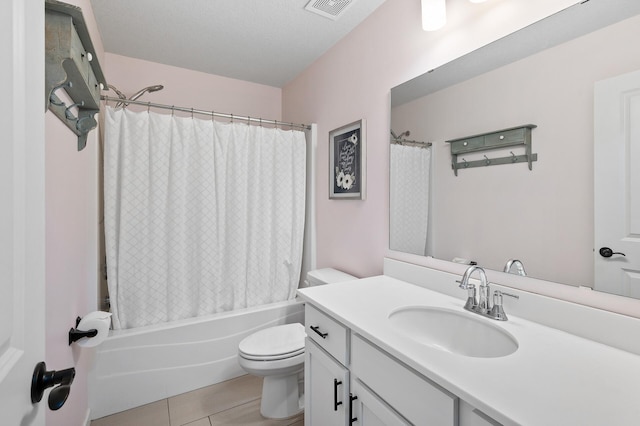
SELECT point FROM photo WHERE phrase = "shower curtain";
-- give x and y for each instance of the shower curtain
(409, 198)
(200, 216)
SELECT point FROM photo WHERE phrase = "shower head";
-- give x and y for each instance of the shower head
(398, 137)
(149, 89)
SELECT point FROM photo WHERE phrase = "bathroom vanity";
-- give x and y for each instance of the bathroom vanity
(379, 352)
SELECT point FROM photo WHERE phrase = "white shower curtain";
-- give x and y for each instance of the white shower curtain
(200, 216)
(409, 198)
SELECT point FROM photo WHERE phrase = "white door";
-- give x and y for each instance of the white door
(617, 185)
(21, 208)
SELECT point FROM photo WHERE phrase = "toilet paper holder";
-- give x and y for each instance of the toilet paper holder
(75, 334)
(91, 330)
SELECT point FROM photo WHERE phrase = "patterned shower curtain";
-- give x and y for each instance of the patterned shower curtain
(409, 198)
(200, 216)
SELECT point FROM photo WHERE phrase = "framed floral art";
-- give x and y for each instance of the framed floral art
(347, 162)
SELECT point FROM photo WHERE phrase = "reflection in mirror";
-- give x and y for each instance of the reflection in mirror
(544, 74)
(409, 182)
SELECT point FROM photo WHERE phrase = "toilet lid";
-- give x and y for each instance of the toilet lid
(275, 341)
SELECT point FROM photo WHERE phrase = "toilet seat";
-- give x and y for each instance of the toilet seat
(274, 343)
(271, 357)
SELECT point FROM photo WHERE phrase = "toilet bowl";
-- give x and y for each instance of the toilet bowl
(277, 354)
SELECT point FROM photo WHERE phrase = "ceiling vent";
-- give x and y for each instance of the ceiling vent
(331, 9)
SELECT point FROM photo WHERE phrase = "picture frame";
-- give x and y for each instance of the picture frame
(347, 162)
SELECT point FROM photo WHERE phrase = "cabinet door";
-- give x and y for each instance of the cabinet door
(470, 416)
(326, 388)
(416, 398)
(369, 410)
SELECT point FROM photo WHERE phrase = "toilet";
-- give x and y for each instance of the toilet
(277, 354)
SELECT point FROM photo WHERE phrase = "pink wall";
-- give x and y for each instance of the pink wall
(352, 81)
(192, 89)
(71, 221)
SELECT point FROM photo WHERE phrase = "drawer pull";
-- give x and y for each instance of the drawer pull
(336, 383)
(351, 418)
(316, 328)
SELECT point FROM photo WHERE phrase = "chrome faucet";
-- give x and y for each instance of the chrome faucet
(518, 265)
(483, 305)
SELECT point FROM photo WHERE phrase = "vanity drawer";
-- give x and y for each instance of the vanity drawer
(329, 334)
(416, 398)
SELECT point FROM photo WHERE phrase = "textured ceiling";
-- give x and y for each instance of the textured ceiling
(264, 41)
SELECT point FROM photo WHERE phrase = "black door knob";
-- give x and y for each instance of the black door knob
(607, 252)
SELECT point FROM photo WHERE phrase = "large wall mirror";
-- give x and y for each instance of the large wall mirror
(543, 75)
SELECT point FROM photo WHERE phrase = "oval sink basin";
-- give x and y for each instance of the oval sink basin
(454, 332)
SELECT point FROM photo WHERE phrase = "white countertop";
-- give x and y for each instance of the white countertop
(554, 378)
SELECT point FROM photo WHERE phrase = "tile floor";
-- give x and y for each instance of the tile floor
(234, 402)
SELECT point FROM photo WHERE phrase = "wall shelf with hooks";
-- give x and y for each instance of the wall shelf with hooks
(512, 137)
(71, 64)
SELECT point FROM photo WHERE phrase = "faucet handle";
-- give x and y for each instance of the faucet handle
(471, 297)
(497, 311)
(465, 285)
(504, 293)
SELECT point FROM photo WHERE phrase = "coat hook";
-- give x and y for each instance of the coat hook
(58, 102)
(487, 161)
(465, 164)
(513, 157)
(68, 113)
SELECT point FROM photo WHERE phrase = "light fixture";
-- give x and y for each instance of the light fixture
(434, 14)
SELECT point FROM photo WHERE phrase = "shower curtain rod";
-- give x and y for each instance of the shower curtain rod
(211, 113)
(411, 143)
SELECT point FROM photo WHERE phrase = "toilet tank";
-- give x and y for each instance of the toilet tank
(326, 276)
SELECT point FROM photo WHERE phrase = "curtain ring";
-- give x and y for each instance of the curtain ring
(231, 118)
(148, 107)
(192, 113)
(213, 116)
(248, 120)
(260, 121)
(173, 110)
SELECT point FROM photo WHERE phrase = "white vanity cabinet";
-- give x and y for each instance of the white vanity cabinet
(470, 416)
(326, 377)
(369, 410)
(349, 381)
(417, 399)
(326, 388)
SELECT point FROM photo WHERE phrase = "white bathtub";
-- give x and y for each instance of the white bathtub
(138, 366)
